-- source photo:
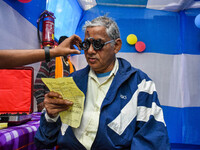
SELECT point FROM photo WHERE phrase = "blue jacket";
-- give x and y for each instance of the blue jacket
(130, 117)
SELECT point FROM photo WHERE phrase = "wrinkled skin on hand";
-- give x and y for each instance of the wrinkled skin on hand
(54, 103)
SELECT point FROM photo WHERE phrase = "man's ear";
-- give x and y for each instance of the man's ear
(118, 45)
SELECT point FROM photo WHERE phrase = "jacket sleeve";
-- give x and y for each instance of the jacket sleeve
(47, 133)
(40, 88)
(151, 132)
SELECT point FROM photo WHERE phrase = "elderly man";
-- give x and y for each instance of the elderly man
(121, 109)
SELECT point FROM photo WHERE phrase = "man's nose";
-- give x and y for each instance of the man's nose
(91, 49)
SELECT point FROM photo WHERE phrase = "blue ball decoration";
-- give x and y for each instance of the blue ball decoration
(197, 21)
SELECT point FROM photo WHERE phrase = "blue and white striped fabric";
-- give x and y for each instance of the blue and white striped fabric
(171, 57)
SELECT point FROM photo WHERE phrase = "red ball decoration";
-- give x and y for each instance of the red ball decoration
(140, 46)
(24, 1)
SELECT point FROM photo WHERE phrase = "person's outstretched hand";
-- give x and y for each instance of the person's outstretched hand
(67, 46)
(54, 103)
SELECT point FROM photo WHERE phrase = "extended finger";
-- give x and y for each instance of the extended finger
(73, 51)
(57, 101)
(58, 107)
(76, 41)
(76, 38)
(53, 94)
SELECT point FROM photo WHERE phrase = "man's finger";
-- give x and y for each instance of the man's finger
(53, 94)
(60, 102)
(74, 51)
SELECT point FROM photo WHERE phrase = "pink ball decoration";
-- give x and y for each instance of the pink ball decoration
(140, 46)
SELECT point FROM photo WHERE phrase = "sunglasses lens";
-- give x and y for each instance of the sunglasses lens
(97, 44)
(85, 45)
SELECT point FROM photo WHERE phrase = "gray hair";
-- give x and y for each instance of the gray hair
(111, 26)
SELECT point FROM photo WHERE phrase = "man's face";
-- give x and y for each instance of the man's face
(102, 60)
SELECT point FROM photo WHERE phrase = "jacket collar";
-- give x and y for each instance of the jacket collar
(124, 72)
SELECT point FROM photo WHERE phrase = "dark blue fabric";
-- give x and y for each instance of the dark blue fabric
(45, 137)
(178, 146)
(183, 124)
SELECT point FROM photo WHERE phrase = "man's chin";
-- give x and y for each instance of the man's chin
(94, 67)
(91, 63)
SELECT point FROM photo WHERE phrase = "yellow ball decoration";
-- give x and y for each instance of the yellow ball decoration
(131, 39)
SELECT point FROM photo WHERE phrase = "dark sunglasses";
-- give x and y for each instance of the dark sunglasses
(97, 44)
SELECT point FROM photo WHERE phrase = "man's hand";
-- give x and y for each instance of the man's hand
(67, 47)
(54, 103)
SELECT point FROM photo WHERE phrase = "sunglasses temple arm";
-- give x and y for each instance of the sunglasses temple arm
(108, 42)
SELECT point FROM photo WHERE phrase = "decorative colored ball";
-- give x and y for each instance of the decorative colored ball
(24, 1)
(131, 39)
(140, 46)
(197, 21)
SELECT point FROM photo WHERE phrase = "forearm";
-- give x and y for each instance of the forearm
(47, 133)
(16, 58)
